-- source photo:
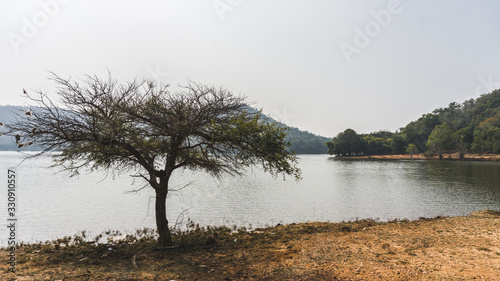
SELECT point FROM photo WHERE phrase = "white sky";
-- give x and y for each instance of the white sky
(286, 56)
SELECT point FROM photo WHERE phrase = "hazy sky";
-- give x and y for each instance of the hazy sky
(322, 66)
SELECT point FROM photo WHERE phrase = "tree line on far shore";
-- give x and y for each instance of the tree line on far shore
(473, 126)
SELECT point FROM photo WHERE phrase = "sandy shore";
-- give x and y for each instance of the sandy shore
(467, 157)
(455, 248)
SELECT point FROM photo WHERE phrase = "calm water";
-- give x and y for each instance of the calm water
(52, 205)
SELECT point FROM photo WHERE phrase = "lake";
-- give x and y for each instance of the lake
(52, 205)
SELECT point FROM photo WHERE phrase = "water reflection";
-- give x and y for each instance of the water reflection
(428, 188)
(52, 205)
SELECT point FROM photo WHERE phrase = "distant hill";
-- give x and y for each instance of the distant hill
(7, 113)
(302, 142)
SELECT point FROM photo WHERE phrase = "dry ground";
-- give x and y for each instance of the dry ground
(456, 248)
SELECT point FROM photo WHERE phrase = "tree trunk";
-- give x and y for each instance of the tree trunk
(165, 237)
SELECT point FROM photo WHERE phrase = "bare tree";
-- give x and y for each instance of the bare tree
(136, 126)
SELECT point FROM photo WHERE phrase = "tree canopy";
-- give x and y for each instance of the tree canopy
(440, 139)
(101, 124)
(301, 142)
(346, 143)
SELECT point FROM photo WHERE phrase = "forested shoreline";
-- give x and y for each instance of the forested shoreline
(472, 126)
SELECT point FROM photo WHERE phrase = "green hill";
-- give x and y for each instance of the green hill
(304, 142)
(473, 125)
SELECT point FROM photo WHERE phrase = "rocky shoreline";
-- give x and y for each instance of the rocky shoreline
(446, 156)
